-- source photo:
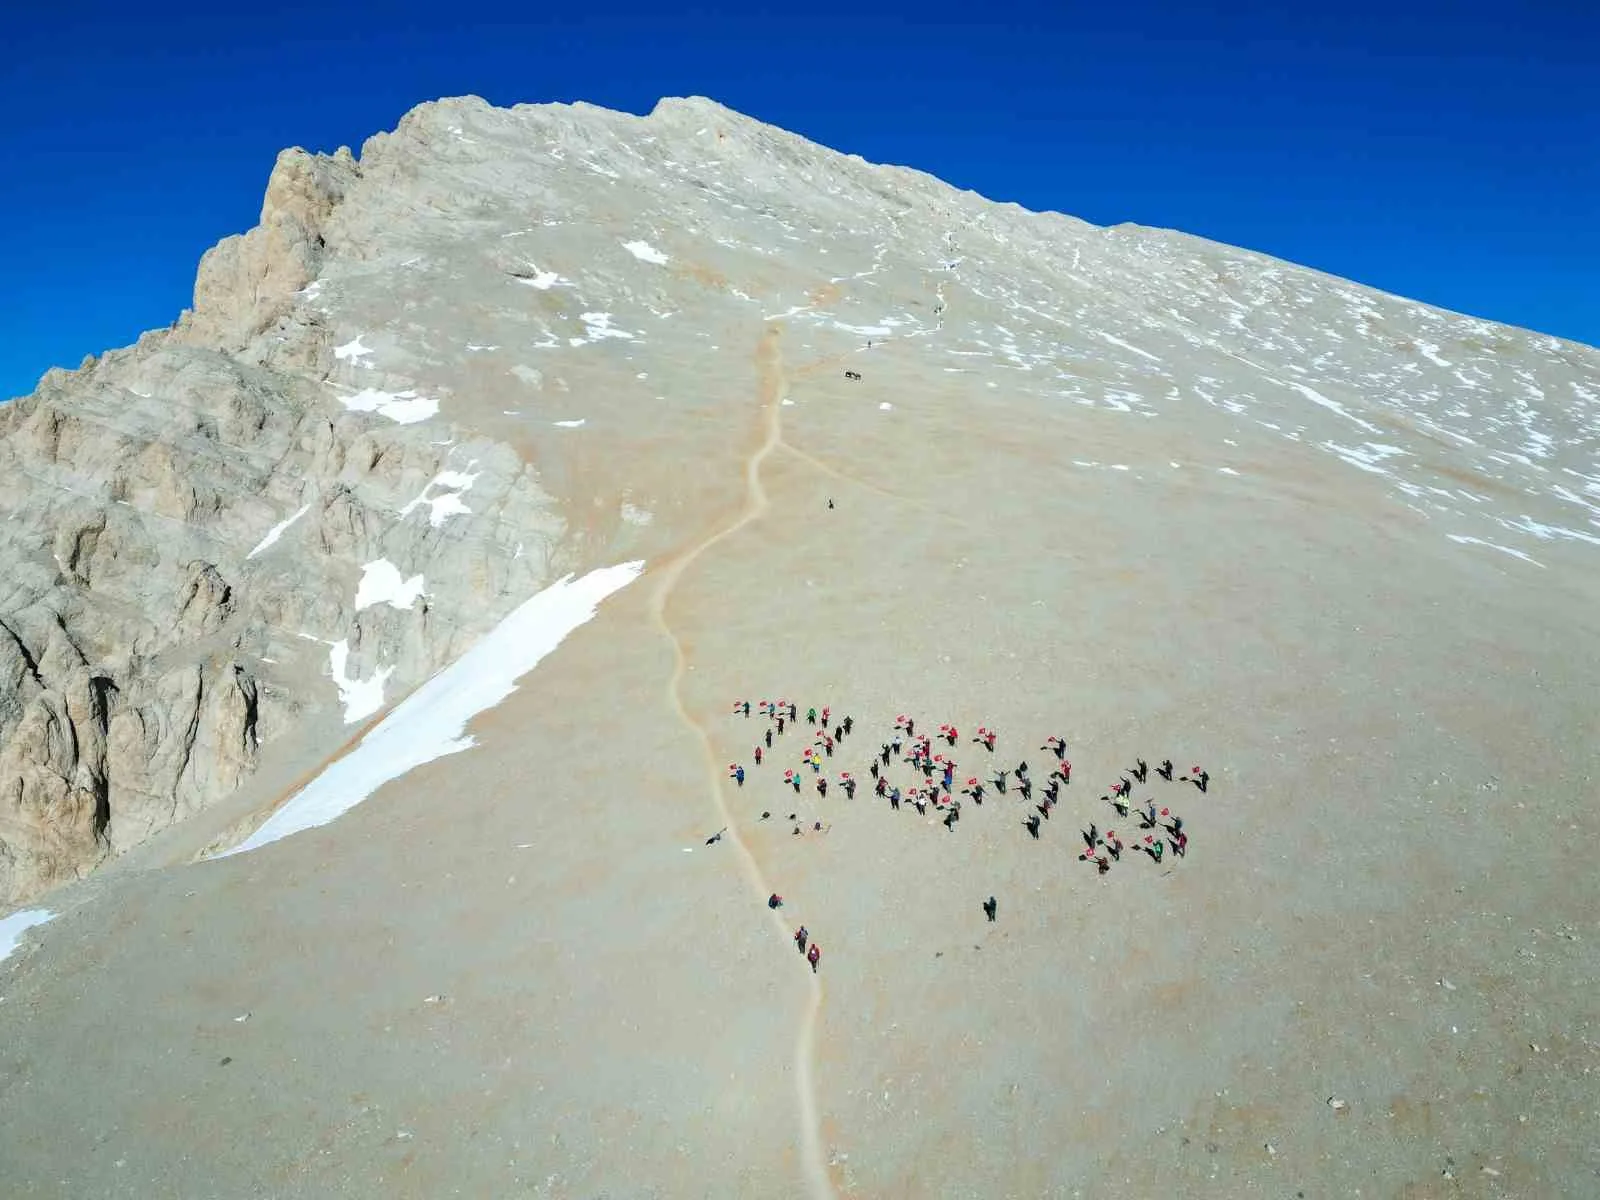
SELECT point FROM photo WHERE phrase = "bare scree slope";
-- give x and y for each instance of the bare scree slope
(1160, 497)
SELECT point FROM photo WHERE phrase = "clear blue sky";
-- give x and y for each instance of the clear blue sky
(1445, 151)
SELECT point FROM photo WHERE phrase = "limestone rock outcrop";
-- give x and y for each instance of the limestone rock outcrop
(496, 347)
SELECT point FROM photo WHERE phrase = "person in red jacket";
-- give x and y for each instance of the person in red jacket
(812, 955)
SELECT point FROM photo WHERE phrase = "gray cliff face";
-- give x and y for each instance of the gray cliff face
(147, 655)
(492, 351)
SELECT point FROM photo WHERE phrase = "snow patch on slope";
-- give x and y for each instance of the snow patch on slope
(277, 531)
(448, 501)
(353, 352)
(403, 408)
(645, 252)
(381, 584)
(431, 722)
(360, 697)
(541, 280)
(13, 927)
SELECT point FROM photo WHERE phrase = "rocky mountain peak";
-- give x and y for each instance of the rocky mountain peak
(502, 345)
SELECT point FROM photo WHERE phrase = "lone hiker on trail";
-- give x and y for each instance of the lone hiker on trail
(774, 901)
(990, 908)
(813, 955)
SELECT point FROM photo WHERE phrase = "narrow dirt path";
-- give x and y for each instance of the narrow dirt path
(770, 388)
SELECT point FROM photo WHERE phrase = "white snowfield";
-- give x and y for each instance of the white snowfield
(431, 722)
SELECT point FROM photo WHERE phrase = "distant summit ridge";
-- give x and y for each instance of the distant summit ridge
(490, 350)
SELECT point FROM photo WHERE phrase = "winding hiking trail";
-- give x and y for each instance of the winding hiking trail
(770, 387)
(772, 381)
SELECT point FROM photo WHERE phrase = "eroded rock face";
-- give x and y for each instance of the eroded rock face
(157, 633)
(54, 803)
(183, 525)
(504, 344)
(247, 282)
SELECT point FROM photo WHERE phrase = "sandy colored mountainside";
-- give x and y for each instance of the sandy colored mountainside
(881, 445)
